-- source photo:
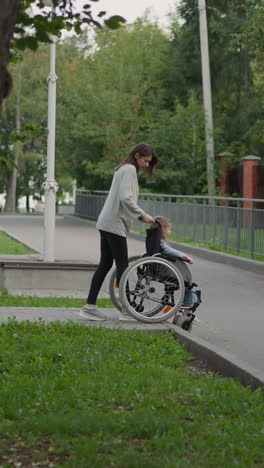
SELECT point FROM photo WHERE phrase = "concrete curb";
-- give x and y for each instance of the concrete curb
(213, 256)
(220, 361)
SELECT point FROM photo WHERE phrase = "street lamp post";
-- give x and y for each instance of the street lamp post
(50, 185)
(207, 97)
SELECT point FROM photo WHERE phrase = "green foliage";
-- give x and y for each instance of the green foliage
(252, 35)
(135, 83)
(232, 59)
(114, 22)
(36, 22)
(113, 93)
(179, 139)
(73, 395)
(30, 86)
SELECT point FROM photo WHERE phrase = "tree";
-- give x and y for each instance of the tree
(8, 16)
(111, 95)
(179, 139)
(28, 30)
(11, 181)
(252, 34)
(236, 97)
(119, 87)
(24, 119)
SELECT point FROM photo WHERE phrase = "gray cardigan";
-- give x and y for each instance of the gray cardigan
(120, 208)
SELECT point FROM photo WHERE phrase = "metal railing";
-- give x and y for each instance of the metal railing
(227, 222)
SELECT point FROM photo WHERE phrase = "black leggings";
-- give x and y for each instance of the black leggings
(113, 247)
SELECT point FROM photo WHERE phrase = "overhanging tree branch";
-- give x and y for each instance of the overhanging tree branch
(20, 29)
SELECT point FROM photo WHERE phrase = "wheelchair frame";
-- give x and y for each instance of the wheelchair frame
(152, 289)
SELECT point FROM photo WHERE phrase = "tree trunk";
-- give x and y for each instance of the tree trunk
(27, 204)
(10, 205)
(8, 17)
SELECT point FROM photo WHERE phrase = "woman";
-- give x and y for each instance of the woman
(115, 221)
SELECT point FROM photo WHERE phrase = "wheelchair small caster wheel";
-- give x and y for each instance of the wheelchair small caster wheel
(139, 308)
(187, 325)
(183, 322)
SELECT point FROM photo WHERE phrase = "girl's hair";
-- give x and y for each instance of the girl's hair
(164, 222)
(143, 150)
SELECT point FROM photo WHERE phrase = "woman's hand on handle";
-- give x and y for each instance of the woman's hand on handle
(146, 218)
(188, 259)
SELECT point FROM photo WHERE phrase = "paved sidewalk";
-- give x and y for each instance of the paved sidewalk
(231, 315)
(75, 239)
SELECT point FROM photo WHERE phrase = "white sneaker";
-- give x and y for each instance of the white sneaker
(125, 317)
(92, 313)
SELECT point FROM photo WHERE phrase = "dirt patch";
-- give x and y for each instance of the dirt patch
(22, 455)
(198, 368)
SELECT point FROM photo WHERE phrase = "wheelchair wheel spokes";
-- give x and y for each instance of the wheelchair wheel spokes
(142, 297)
(151, 290)
(113, 286)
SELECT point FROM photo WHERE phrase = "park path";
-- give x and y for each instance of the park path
(232, 313)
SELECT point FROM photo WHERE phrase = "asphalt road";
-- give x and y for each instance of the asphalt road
(232, 313)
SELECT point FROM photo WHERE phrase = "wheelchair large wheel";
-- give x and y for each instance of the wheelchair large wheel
(151, 289)
(113, 286)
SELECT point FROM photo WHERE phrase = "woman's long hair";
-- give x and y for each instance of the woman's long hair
(143, 150)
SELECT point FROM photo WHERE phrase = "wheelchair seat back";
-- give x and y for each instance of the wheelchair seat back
(153, 240)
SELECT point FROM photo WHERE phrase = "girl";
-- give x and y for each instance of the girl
(190, 296)
(115, 221)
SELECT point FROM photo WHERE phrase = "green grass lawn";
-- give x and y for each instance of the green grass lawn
(7, 300)
(217, 244)
(212, 245)
(216, 241)
(217, 247)
(9, 246)
(74, 396)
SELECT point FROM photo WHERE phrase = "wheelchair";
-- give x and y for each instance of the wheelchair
(152, 289)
